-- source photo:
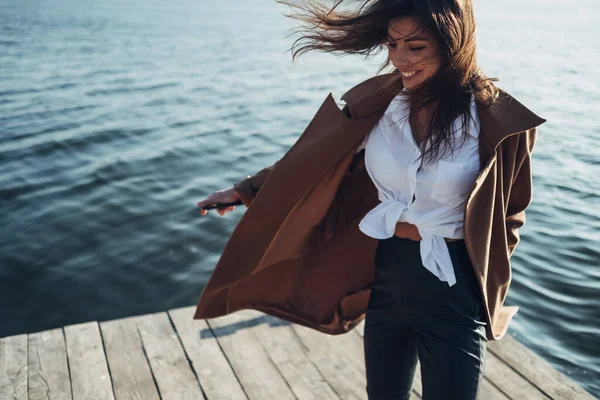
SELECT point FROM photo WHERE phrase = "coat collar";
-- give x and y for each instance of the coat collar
(505, 117)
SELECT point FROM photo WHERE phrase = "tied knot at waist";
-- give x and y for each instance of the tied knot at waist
(381, 222)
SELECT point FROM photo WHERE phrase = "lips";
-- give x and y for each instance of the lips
(409, 75)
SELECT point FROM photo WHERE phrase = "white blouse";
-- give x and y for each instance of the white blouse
(431, 197)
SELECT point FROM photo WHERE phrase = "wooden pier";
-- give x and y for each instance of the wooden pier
(244, 355)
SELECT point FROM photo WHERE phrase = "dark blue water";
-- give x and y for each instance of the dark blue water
(117, 117)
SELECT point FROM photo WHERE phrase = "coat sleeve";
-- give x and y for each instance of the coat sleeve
(249, 186)
(521, 190)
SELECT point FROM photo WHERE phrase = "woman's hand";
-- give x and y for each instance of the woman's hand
(220, 196)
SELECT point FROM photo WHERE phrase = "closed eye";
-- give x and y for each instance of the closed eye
(393, 45)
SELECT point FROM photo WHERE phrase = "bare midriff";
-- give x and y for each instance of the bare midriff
(409, 231)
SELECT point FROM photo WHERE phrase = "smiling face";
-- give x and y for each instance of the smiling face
(413, 51)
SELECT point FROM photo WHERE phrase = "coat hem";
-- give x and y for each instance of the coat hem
(336, 329)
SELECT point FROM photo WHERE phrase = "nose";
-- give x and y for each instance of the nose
(399, 60)
(404, 65)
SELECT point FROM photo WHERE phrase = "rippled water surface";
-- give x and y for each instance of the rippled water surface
(116, 117)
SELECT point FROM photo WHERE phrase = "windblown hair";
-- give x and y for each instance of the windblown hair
(363, 30)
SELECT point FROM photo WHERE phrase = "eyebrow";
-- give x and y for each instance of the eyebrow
(412, 39)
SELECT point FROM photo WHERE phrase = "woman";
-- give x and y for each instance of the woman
(424, 156)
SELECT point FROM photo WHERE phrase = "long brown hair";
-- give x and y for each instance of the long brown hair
(363, 30)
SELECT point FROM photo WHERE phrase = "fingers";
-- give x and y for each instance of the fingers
(221, 211)
(202, 204)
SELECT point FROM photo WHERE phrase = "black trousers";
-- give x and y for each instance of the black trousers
(411, 313)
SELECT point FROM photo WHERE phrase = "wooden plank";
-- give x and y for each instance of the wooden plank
(208, 361)
(289, 355)
(417, 383)
(509, 381)
(170, 366)
(535, 369)
(250, 361)
(90, 378)
(272, 358)
(13, 368)
(340, 368)
(129, 368)
(48, 366)
(488, 391)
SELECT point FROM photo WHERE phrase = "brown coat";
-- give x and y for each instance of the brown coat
(297, 252)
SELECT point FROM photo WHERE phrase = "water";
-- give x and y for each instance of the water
(117, 117)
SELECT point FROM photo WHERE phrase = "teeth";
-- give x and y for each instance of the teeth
(407, 74)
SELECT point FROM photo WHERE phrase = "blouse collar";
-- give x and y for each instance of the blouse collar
(398, 111)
